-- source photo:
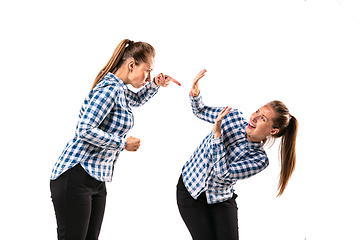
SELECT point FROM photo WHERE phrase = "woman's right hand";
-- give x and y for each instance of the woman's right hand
(194, 92)
(132, 144)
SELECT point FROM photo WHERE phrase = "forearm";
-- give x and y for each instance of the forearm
(202, 111)
(237, 170)
(196, 104)
(141, 97)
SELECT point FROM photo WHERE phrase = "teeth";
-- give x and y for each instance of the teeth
(252, 125)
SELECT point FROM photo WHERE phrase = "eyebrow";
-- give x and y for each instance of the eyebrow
(263, 115)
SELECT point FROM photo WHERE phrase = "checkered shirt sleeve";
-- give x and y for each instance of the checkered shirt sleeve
(206, 113)
(96, 108)
(251, 162)
(141, 97)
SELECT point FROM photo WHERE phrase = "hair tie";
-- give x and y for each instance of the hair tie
(289, 120)
(130, 42)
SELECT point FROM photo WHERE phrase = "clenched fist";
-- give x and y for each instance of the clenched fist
(132, 144)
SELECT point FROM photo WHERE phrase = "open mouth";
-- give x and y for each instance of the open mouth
(252, 126)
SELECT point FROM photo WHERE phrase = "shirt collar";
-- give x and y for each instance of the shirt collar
(113, 77)
(253, 145)
(243, 140)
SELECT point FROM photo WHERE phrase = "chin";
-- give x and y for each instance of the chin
(140, 86)
(249, 131)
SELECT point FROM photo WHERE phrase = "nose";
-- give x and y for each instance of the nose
(255, 117)
(148, 78)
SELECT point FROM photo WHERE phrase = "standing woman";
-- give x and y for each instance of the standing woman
(231, 152)
(78, 178)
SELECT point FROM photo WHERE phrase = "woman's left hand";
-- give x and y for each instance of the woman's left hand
(217, 125)
(164, 80)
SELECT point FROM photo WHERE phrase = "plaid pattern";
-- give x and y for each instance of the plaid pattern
(104, 120)
(217, 164)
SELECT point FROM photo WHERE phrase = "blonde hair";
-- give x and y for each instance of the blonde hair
(125, 50)
(288, 127)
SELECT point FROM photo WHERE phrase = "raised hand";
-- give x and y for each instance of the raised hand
(194, 92)
(217, 124)
(132, 144)
(164, 80)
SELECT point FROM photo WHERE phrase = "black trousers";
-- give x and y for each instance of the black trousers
(79, 203)
(207, 221)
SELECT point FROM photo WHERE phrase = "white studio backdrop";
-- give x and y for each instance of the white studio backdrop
(304, 53)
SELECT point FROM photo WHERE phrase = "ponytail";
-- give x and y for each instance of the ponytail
(288, 127)
(113, 62)
(287, 153)
(125, 50)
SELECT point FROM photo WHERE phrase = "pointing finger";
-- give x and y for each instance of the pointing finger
(173, 80)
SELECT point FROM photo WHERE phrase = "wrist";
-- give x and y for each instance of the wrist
(154, 80)
(194, 94)
(217, 129)
(217, 135)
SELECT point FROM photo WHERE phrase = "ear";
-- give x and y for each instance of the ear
(274, 131)
(131, 64)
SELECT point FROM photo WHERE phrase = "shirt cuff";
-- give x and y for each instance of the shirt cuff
(216, 141)
(153, 84)
(196, 103)
(218, 149)
(197, 98)
(122, 144)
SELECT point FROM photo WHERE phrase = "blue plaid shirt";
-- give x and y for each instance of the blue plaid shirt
(217, 164)
(104, 120)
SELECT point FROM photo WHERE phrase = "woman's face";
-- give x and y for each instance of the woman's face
(140, 74)
(261, 124)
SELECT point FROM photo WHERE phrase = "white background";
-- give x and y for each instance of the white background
(304, 53)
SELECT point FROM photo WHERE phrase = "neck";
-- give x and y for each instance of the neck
(123, 75)
(251, 139)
